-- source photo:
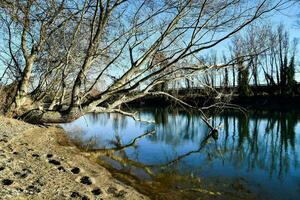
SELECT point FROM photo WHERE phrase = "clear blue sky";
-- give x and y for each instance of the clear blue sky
(287, 17)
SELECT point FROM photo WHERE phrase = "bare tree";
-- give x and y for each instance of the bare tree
(96, 55)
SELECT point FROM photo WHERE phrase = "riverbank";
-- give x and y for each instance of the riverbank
(40, 163)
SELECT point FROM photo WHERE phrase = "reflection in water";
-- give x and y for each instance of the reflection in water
(262, 148)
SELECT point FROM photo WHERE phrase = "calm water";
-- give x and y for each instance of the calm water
(255, 154)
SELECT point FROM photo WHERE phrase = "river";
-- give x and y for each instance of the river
(254, 156)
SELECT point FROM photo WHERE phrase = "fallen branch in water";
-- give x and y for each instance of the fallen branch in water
(203, 116)
(132, 115)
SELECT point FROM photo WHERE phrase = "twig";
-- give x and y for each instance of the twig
(204, 117)
(132, 115)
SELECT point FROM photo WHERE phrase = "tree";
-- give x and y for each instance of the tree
(95, 55)
(238, 51)
(269, 52)
(243, 81)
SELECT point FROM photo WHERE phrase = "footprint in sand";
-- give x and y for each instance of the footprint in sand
(86, 180)
(31, 189)
(54, 162)
(75, 170)
(3, 140)
(19, 189)
(96, 191)
(7, 182)
(21, 175)
(61, 168)
(84, 198)
(77, 195)
(35, 155)
(49, 155)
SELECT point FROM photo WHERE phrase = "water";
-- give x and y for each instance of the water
(256, 156)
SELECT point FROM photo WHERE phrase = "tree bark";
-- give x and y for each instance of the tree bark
(22, 91)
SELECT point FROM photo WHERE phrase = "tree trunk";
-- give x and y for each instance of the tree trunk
(22, 91)
(54, 116)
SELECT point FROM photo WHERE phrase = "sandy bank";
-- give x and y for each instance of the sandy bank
(40, 163)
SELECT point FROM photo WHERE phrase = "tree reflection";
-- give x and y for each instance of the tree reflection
(264, 141)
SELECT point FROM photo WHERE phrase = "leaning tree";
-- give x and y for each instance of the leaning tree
(65, 58)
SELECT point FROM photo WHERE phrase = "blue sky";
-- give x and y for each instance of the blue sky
(287, 17)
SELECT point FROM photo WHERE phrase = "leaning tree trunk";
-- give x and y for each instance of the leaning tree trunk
(38, 116)
(22, 91)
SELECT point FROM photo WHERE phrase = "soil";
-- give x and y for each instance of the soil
(41, 163)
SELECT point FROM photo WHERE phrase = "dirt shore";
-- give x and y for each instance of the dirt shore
(40, 163)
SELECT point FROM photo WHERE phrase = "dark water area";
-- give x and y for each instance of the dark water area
(256, 155)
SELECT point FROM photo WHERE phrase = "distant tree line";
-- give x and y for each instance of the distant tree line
(272, 61)
(264, 56)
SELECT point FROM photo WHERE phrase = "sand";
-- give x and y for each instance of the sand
(41, 163)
